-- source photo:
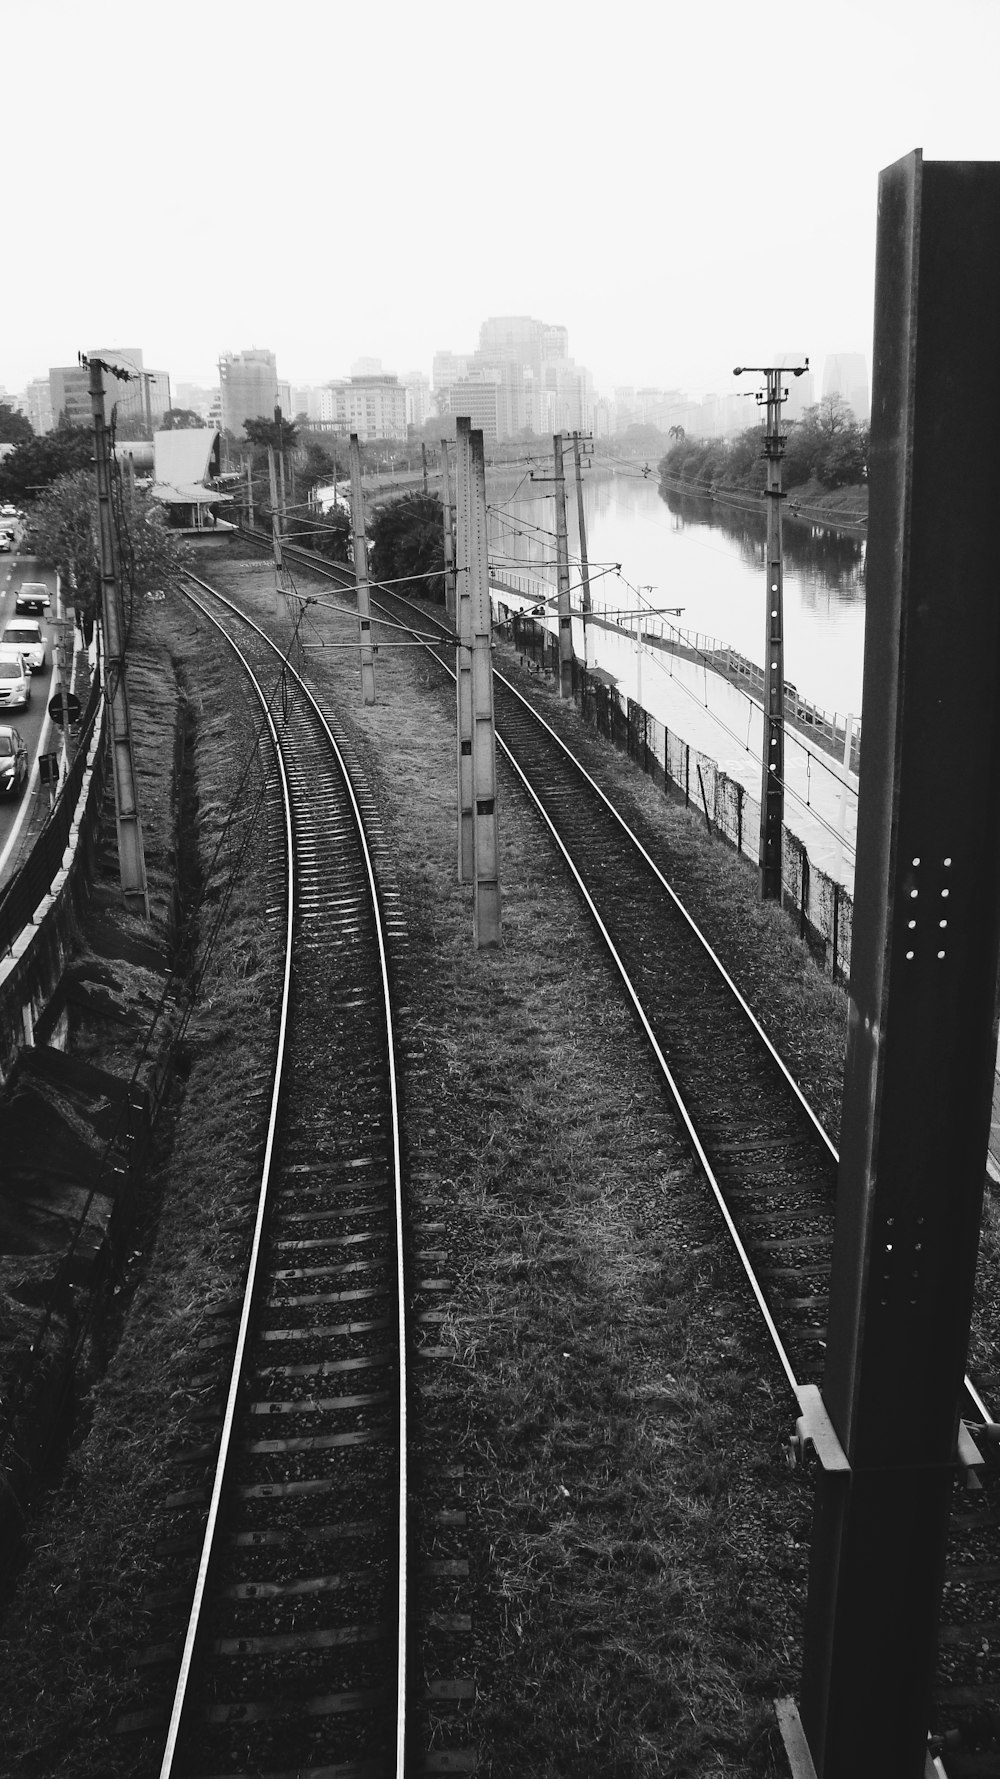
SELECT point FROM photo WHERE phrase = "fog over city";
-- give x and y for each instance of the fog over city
(680, 189)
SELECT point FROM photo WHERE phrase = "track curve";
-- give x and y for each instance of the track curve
(295, 1650)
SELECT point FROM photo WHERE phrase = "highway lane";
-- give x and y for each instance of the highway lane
(20, 818)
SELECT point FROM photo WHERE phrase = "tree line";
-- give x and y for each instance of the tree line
(827, 448)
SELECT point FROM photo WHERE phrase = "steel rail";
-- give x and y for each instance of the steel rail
(401, 1517)
(345, 580)
(211, 1524)
(635, 998)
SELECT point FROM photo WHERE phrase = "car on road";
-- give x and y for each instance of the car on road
(6, 542)
(25, 635)
(13, 762)
(15, 680)
(31, 596)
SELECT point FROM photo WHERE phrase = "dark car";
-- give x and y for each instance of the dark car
(32, 596)
(13, 762)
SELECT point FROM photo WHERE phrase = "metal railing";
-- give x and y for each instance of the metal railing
(34, 878)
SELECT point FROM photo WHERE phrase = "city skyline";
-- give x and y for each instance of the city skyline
(656, 188)
(210, 379)
(520, 380)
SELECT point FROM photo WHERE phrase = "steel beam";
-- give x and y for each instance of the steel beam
(463, 654)
(485, 828)
(447, 515)
(772, 790)
(361, 575)
(923, 1021)
(565, 620)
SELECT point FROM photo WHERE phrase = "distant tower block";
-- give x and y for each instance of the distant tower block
(801, 393)
(846, 374)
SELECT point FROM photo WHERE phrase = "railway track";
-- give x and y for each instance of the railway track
(294, 1653)
(763, 1152)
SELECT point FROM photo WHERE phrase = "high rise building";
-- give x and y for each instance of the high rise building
(196, 398)
(538, 386)
(846, 374)
(136, 401)
(446, 369)
(38, 404)
(418, 397)
(69, 394)
(373, 406)
(477, 398)
(248, 383)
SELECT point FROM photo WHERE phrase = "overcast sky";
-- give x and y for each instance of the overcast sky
(684, 187)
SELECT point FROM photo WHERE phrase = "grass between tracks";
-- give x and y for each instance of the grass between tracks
(637, 1546)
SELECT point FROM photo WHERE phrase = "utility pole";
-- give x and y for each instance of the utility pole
(463, 656)
(250, 491)
(486, 845)
(280, 451)
(581, 522)
(448, 515)
(131, 856)
(423, 460)
(565, 621)
(772, 789)
(361, 575)
(921, 1049)
(279, 563)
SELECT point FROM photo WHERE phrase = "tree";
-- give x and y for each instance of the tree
(15, 428)
(180, 419)
(39, 461)
(65, 522)
(407, 538)
(646, 440)
(330, 535)
(317, 464)
(282, 435)
(827, 445)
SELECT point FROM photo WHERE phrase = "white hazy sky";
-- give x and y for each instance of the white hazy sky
(685, 187)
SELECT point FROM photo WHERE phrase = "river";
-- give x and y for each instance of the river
(707, 559)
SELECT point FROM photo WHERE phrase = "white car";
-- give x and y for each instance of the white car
(6, 542)
(15, 680)
(25, 635)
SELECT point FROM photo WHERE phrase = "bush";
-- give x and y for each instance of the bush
(407, 539)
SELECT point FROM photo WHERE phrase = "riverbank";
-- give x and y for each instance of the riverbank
(840, 509)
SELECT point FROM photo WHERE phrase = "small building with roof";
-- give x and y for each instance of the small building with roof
(186, 466)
